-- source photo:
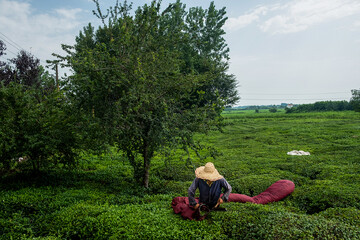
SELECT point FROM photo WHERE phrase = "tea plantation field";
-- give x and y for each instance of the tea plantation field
(101, 200)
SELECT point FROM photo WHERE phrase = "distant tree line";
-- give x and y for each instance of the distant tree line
(322, 106)
(253, 107)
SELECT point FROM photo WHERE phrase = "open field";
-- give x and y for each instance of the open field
(100, 200)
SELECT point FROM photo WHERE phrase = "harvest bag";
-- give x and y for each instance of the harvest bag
(274, 193)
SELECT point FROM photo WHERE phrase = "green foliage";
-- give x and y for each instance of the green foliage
(37, 124)
(273, 110)
(350, 216)
(24, 69)
(355, 100)
(252, 185)
(249, 221)
(321, 107)
(149, 80)
(326, 194)
(41, 132)
(101, 200)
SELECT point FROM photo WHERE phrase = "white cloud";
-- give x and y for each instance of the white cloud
(357, 24)
(294, 16)
(246, 19)
(22, 8)
(300, 15)
(69, 13)
(41, 34)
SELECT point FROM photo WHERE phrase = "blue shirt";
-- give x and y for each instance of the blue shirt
(209, 195)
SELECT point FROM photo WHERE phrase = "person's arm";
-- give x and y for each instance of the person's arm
(228, 189)
(191, 192)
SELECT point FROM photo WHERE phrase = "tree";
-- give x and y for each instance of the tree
(35, 119)
(321, 106)
(355, 99)
(210, 52)
(147, 82)
(273, 110)
(2, 52)
(5, 70)
(203, 48)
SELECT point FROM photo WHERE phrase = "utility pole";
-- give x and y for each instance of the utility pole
(57, 77)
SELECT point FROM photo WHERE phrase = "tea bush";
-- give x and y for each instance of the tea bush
(326, 194)
(253, 184)
(101, 200)
(249, 221)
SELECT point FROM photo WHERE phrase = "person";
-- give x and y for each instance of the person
(210, 184)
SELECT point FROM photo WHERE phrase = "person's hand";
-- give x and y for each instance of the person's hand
(220, 201)
(196, 206)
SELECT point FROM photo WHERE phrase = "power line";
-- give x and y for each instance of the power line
(10, 44)
(13, 43)
(18, 46)
(8, 41)
(11, 52)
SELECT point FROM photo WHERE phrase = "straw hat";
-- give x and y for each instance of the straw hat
(208, 172)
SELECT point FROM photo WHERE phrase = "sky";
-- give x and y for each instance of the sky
(293, 51)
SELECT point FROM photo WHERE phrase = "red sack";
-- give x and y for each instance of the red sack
(277, 191)
(181, 205)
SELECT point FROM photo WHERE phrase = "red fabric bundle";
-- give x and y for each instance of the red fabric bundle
(274, 193)
(181, 205)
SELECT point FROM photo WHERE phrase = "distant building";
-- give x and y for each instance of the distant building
(290, 105)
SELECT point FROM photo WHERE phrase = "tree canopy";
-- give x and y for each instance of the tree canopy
(36, 122)
(152, 78)
(355, 99)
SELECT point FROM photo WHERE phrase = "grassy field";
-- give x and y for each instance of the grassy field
(100, 200)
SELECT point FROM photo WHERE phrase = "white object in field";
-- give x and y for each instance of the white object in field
(298, 153)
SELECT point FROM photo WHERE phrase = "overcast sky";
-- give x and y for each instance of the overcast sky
(294, 51)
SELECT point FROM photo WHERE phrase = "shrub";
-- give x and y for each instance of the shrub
(355, 99)
(324, 194)
(252, 185)
(322, 106)
(251, 221)
(146, 221)
(273, 110)
(17, 227)
(350, 216)
(101, 201)
(43, 132)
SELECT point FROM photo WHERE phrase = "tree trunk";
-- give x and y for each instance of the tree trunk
(38, 164)
(33, 164)
(6, 163)
(147, 158)
(146, 172)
